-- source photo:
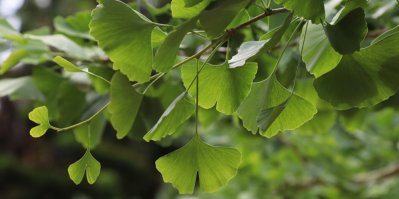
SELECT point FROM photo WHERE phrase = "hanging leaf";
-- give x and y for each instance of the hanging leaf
(218, 84)
(318, 54)
(39, 115)
(89, 135)
(186, 10)
(166, 54)
(124, 105)
(365, 78)
(87, 164)
(308, 9)
(346, 34)
(177, 112)
(125, 36)
(215, 166)
(271, 107)
(214, 21)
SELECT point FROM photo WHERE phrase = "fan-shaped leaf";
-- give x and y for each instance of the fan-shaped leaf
(87, 164)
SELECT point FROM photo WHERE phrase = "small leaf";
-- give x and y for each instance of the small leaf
(182, 10)
(39, 115)
(87, 164)
(124, 105)
(67, 65)
(177, 112)
(250, 50)
(125, 37)
(318, 54)
(166, 54)
(308, 9)
(346, 34)
(218, 84)
(215, 166)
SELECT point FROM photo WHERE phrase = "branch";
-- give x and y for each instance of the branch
(378, 175)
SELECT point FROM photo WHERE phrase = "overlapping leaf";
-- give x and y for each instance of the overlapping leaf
(124, 105)
(218, 84)
(215, 166)
(308, 9)
(125, 36)
(184, 9)
(177, 112)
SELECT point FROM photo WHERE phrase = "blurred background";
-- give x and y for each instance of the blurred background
(347, 154)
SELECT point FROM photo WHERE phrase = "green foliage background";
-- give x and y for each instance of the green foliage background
(308, 100)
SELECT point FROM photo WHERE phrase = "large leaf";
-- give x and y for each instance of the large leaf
(318, 54)
(39, 115)
(215, 166)
(167, 52)
(346, 34)
(87, 164)
(218, 84)
(365, 78)
(177, 112)
(308, 9)
(125, 36)
(214, 21)
(251, 49)
(186, 10)
(124, 105)
(271, 107)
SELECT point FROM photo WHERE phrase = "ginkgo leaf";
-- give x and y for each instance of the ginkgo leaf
(251, 49)
(39, 115)
(177, 112)
(67, 65)
(271, 108)
(215, 166)
(318, 54)
(214, 21)
(364, 78)
(13, 59)
(124, 104)
(308, 9)
(87, 164)
(89, 135)
(346, 34)
(125, 36)
(190, 3)
(167, 52)
(180, 8)
(229, 85)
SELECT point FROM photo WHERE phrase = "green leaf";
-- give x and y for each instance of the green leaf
(347, 33)
(87, 164)
(67, 65)
(272, 106)
(20, 88)
(365, 78)
(166, 54)
(218, 84)
(157, 37)
(89, 135)
(6, 29)
(13, 59)
(214, 21)
(124, 105)
(125, 36)
(322, 122)
(70, 104)
(76, 25)
(250, 50)
(215, 166)
(318, 54)
(190, 3)
(39, 115)
(177, 112)
(182, 10)
(308, 9)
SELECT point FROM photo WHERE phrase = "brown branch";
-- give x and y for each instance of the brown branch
(267, 13)
(377, 175)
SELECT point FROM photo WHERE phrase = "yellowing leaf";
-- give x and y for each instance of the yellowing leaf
(215, 166)
(87, 164)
